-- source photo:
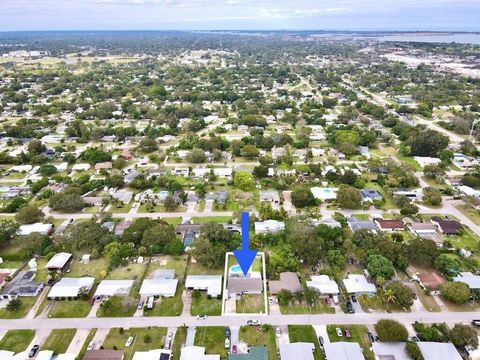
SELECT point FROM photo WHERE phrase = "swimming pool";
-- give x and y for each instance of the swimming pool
(236, 269)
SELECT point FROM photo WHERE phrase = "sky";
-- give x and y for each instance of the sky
(454, 15)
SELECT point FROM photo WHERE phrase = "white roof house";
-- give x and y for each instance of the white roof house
(392, 349)
(196, 353)
(295, 351)
(151, 355)
(211, 283)
(71, 287)
(269, 226)
(425, 160)
(40, 228)
(343, 351)
(113, 287)
(324, 193)
(58, 261)
(44, 355)
(468, 191)
(6, 355)
(473, 281)
(159, 287)
(81, 167)
(438, 351)
(62, 166)
(358, 284)
(323, 284)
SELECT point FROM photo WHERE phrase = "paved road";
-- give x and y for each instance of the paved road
(238, 320)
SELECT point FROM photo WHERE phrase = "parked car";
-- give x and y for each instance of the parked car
(234, 349)
(347, 334)
(339, 332)
(129, 341)
(414, 295)
(253, 322)
(354, 299)
(91, 345)
(227, 343)
(476, 322)
(169, 336)
(140, 304)
(201, 317)
(350, 308)
(320, 340)
(33, 351)
(277, 332)
(228, 333)
(370, 336)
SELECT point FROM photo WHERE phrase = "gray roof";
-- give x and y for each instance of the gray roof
(22, 284)
(296, 351)
(343, 351)
(396, 350)
(241, 285)
(356, 224)
(288, 281)
(438, 351)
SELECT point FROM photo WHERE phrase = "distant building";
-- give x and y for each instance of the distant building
(59, 262)
(473, 281)
(269, 226)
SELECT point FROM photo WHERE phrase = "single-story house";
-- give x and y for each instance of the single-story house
(157, 354)
(196, 353)
(211, 283)
(356, 224)
(59, 262)
(473, 281)
(370, 195)
(81, 167)
(328, 221)
(21, 285)
(288, 281)
(103, 166)
(447, 227)
(71, 288)
(390, 225)
(103, 355)
(390, 350)
(426, 160)
(184, 172)
(324, 285)
(425, 230)
(43, 229)
(358, 284)
(324, 193)
(242, 285)
(269, 226)
(93, 200)
(343, 351)
(468, 191)
(159, 287)
(254, 353)
(411, 194)
(126, 154)
(296, 351)
(123, 196)
(108, 288)
(438, 351)
(270, 196)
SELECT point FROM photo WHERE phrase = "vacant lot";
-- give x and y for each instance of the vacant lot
(177, 263)
(59, 340)
(96, 268)
(251, 304)
(118, 306)
(17, 340)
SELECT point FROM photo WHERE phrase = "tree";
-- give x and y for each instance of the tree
(209, 255)
(147, 145)
(284, 297)
(379, 266)
(463, 336)
(403, 295)
(391, 330)
(29, 214)
(348, 197)
(282, 258)
(260, 171)
(414, 351)
(302, 238)
(433, 171)
(302, 196)
(47, 170)
(82, 236)
(14, 305)
(409, 209)
(8, 228)
(170, 203)
(158, 237)
(35, 147)
(196, 156)
(432, 196)
(427, 143)
(456, 292)
(244, 181)
(422, 251)
(250, 151)
(94, 156)
(336, 259)
(66, 202)
(447, 265)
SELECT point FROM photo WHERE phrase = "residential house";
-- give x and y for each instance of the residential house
(370, 195)
(288, 281)
(103, 355)
(424, 230)
(254, 353)
(389, 225)
(93, 200)
(324, 193)
(196, 353)
(59, 262)
(270, 197)
(269, 226)
(447, 227)
(473, 281)
(43, 229)
(162, 284)
(390, 350)
(108, 288)
(211, 283)
(183, 172)
(343, 351)
(71, 288)
(81, 167)
(464, 162)
(103, 166)
(468, 191)
(220, 197)
(130, 175)
(126, 154)
(324, 285)
(296, 351)
(123, 196)
(358, 284)
(438, 351)
(21, 285)
(356, 224)
(122, 226)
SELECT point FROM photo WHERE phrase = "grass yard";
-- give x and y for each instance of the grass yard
(305, 333)
(8, 264)
(410, 162)
(144, 339)
(168, 306)
(251, 304)
(178, 342)
(199, 269)
(173, 220)
(260, 335)
(427, 301)
(178, 263)
(27, 303)
(201, 304)
(212, 338)
(303, 308)
(89, 338)
(59, 340)
(471, 213)
(17, 340)
(118, 306)
(95, 268)
(132, 271)
(69, 309)
(359, 335)
(466, 239)
(207, 219)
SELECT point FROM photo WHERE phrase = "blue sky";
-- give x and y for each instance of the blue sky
(239, 14)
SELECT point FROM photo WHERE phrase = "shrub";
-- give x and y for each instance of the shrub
(391, 330)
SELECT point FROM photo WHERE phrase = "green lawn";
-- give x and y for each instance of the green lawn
(427, 301)
(207, 219)
(95, 268)
(118, 306)
(212, 338)
(27, 303)
(303, 308)
(471, 213)
(173, 220)
(178, 342)
(69, 309)
(59, 340)
(8, 264)
(199, 269)
(178, 263)
(305, 333)
(261, 335)
(251, 303)
(410, 162)
(359, 335)
(201, 304)
(89, 338)
(168, 306)
(17, 340)
(466, 239)
(132, 271)
(118, 336)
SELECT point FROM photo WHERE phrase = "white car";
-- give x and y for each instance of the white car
(253, 322)
(169, 336)
(277, 332)
(129, 341)
(339, 332)
(227, 343)
(201, 317)
(91, 345)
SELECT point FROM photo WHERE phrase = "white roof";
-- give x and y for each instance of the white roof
(150, 355)
(61, 167)
(114, 287)
(295, 351)
(467, 190)
(343, 351)
(473, 281)
(80, 167)
(355, 283)
(324, 193)
(396, 349)
(21, 168)
(71, 287)
(269, 226)
(196, 353)
(44, 355)
(66, 357)
(474, 354)
(427, 160)
(159, 287)
(35, 228)
(438, 351)
(211, 283)
(323, 284)
(58, 261)
(6, 355)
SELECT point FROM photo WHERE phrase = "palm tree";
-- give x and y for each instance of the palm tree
(390, 296)
(14, 305)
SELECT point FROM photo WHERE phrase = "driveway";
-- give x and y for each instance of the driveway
(94, 309)
(100, 337)
(77, 342)
(208, 206)
(39, 338)
(321, 330)
(33, 311)
(187, 302)
(234, 337)
(190, 336)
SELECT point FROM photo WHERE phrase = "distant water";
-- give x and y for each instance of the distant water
(447, 38)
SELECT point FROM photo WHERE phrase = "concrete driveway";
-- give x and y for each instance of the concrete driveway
(190, 336)
(77, 342)
(100, 337)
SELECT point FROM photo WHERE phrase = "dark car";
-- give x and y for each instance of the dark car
(227, 332)
(33, 351)
(476, 322)
(354, 299)
(414, 295)
(320, 340)
(370, 336)
(140, 304)
(350, 308)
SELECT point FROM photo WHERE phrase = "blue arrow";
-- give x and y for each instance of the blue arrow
(245, 256)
